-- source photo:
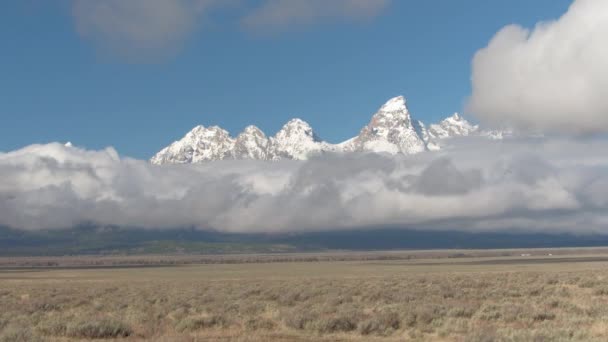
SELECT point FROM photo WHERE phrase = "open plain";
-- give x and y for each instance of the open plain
(536, 295)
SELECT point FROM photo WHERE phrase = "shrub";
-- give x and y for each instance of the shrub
(258, 323)
(410, 319)
(17, 334)
(483, 335)
(552, 281)
(489, 312)
(3, 322)
(543, 316)
(384, 323)
(104, 328)
(336, 324)
(514, 312)
(298, 319)
(462, 312)
(426, 314)
(602, 291)
(43, 306)
(588, 284)
(198, 323)
(52, 327)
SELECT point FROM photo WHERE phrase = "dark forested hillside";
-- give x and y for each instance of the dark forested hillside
(114, 240)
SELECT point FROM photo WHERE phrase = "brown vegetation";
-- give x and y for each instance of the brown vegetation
(193, 259)
(344, 301)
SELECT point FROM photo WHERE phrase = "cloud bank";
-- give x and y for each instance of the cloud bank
(552, 78)
(276, 15)
(531, 186)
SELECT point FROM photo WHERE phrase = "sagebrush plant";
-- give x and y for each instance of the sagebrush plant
(260, 303)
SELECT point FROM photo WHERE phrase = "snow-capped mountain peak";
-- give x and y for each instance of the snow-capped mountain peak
(390, 130)
(251, 129)
(252, 143)
(452, 126)
(392, 114)
(296, 140)
(200, 144)
(297, 128)
(396, 104)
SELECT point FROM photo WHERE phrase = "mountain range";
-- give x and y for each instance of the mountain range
(390, 130)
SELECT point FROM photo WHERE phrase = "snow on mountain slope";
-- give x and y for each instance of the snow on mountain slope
(453, 126)
(252, 143)
(391, 130)
(296, 140)
(423, 132)
(435, 135)
(200, 144)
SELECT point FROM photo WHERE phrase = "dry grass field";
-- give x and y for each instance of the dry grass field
(512, 298)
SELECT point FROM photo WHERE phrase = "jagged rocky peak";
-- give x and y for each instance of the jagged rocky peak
(251, 129)
(396, 104)
(423, 132)
(200, 144)
(297, 128)
(390, 130)
(296, 140)
(252, 132)
(252, 143)
(392, 113)
(201, 134)
(453, 126)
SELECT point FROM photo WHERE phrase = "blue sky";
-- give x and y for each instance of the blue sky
(334, 72)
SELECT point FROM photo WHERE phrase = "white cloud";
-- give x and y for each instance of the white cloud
(138, 28)
(552, 78)
(533, 185)
(286, 14)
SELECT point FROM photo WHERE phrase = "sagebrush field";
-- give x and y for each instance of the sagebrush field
(514, 298)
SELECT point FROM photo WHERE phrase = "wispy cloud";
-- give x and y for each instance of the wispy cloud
(551, 78)
(532, 185)
(148, 30)
(139, 29)
(279, 15)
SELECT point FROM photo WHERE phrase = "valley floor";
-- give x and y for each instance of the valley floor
(536, 297)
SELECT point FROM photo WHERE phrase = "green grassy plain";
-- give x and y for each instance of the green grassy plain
(512, 298)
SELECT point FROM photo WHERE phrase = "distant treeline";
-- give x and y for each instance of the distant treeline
(91, 240)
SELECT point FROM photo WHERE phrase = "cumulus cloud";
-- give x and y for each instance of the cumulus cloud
(284, 14)
(552, 78)
(139, 28)
(533, 185)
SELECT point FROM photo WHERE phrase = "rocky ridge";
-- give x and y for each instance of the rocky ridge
(390, 130)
